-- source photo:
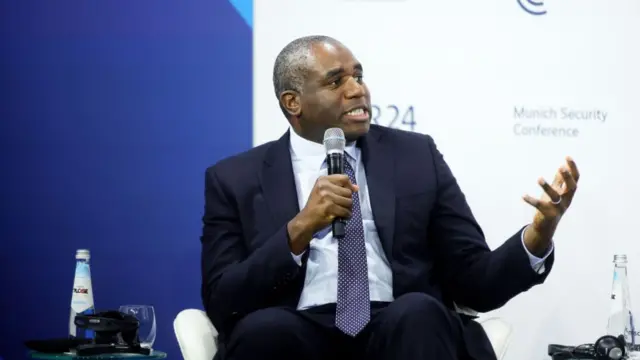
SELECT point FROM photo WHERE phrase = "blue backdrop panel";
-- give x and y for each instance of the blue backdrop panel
(110, 113)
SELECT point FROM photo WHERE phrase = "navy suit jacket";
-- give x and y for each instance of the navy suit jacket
(427, 230)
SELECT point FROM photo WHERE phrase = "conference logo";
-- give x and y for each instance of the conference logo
(533, 7)
(557, 121)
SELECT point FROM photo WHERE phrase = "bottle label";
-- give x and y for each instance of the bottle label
(82, 297)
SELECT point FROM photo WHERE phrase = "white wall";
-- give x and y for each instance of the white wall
(465, 66)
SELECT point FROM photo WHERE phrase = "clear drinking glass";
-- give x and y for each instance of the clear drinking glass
(147, 317)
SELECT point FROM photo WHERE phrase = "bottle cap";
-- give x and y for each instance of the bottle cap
(83, 254)
(620, 258)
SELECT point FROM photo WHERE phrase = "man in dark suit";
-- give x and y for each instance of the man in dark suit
(278, 285)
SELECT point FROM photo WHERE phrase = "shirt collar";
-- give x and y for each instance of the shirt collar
(301, 147)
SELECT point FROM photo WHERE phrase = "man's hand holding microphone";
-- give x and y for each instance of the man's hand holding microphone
(331, 198)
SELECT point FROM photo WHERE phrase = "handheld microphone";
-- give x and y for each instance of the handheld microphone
(334, 143)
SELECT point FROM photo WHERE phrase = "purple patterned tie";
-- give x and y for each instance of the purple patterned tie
(353, 307)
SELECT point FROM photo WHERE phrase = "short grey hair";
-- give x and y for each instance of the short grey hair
(293, 62)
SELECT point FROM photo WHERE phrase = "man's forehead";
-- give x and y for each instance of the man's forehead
(327, 47)
(327, 55)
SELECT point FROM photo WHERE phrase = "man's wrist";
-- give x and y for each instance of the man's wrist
(537, 242)
(299, 234)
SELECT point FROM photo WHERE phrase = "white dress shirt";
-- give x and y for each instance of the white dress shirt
(321, 280)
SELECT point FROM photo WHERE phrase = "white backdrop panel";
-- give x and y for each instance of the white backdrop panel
(506, 96)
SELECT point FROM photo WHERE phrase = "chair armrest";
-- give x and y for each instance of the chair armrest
(499, 334)
(465, 310)
(497, 330)
(195, 334)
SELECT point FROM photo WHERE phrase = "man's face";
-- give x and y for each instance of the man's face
(334, 94)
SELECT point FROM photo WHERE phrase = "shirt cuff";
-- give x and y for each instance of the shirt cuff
(536, 263)
(298, 258)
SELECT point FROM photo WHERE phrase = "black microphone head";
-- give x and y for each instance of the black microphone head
(334, 141)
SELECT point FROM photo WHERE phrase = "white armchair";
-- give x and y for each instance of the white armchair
(196, 335)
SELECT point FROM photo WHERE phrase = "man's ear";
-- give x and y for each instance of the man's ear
(290, 102)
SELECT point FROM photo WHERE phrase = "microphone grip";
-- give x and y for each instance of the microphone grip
(335, 165)
(338, 228)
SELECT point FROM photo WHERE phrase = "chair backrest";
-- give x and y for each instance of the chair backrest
(195, 334)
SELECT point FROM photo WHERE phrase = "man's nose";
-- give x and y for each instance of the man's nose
(354, 89)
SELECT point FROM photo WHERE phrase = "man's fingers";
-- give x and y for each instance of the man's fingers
(550, 191)
(343, 201)
(570, 182)
(559, 193)
(340, 180)
(532, 201)
(339, 190)
(573, 168)
(339, 211)
(557, 181)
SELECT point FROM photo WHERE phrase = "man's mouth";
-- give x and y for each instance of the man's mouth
(359, 113)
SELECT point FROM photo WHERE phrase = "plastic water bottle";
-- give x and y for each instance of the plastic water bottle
(621, 317)
(82, 296)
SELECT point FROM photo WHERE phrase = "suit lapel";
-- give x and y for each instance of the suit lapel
(278, 182)
(378, 164)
